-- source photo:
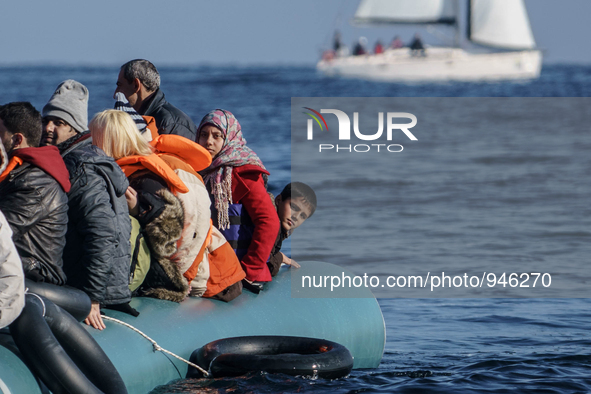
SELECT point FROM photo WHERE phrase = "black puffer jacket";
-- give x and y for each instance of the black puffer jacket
(97, 253)
(36, 207)
(169, 119)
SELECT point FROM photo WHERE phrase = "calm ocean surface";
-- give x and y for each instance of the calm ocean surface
(433, 345)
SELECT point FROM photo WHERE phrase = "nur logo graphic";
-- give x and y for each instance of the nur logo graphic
(345, 130)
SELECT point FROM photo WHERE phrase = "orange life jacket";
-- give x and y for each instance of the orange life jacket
(151, 125)
(154, 163)
(175, 157)
(12, 164)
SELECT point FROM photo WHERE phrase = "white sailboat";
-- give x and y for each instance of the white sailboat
(502, 25)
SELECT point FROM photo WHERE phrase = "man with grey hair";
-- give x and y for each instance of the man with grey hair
(139, 81)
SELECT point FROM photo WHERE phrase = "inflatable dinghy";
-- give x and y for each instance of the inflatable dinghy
(355, 323)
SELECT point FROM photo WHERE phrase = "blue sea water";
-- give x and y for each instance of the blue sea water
(433, 345)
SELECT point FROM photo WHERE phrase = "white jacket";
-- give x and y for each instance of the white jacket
(12, 279)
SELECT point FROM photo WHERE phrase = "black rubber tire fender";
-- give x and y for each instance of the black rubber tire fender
(296, 356)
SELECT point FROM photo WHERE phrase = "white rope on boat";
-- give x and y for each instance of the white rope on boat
(157, 347)
(40, 299)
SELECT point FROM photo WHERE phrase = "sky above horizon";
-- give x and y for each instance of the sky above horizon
(243, 32)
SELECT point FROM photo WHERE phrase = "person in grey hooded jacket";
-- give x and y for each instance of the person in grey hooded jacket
(97, 252)
(12, 278)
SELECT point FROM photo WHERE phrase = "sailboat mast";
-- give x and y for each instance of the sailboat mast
(469, 21)
(457, 12)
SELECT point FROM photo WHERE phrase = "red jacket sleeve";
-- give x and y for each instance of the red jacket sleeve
(248, 189)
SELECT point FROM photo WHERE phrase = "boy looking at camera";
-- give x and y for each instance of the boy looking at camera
(295, 204)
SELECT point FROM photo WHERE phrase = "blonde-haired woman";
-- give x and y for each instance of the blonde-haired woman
(116, 134)
(170, 201)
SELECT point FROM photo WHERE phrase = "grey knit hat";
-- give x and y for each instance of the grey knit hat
(70, 103)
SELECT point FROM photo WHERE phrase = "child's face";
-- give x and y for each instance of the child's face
(292, 212)
(212, 139)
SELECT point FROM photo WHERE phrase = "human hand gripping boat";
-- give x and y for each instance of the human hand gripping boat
(181, 328)
(501, 29)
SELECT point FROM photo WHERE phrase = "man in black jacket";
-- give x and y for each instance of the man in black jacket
(97, 252)
(139, 81)
(33, 194)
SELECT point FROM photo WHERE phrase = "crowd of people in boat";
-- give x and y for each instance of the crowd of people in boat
(140, 201)
(360, 48)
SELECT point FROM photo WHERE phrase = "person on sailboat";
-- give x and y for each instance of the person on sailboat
(396, 43)
(339, 49)
(416, 46)
(337, 41)
(378, 48)
(360, 47)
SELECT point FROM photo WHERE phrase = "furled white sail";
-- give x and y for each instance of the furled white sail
(500, 23)
(405, 11)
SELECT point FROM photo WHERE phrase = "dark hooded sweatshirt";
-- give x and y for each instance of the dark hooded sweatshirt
(97, 253)
(33, 199)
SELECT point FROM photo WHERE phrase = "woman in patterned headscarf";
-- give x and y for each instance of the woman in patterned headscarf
(242, 209)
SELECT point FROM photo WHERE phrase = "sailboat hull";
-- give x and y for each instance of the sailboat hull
(437, 65)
